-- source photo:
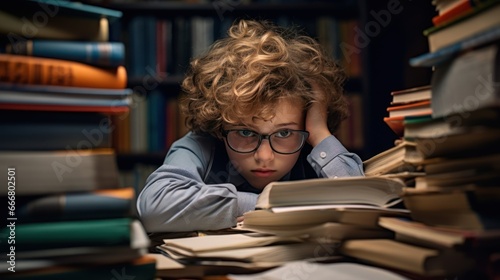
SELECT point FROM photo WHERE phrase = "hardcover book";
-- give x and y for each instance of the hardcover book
(105, 54)
(46, 172)
(57, 72)
(375, 191)
(441, 237)
(406, 257)
(404, 156)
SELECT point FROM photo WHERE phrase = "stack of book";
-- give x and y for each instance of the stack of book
(68, 214)
(454, 230)
(403, 160)
(297, 220)
(405, 103)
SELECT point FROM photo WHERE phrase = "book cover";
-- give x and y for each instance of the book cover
(46, 172)
(28, 130)
(98, 204)
(410, 109)
(55, 8)
(376, 191)
(272, 254)
(448, 53)
(395, 124)
(61, 27)
(69, 90)
(105, 54)
(84, 233)
(20, 69)
(306, 216)
(65, 99)
(410, 95)
(212, 243)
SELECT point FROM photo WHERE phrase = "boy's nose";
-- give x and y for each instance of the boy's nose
(264, 152)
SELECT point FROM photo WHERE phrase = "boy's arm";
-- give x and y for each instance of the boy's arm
(331, 159)
(176, 199)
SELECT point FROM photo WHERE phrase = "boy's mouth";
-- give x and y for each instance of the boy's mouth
(263, 172)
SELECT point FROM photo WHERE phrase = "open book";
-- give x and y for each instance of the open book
(374, 191)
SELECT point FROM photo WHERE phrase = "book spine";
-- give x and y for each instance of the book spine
(456, 11)
(65, 108)
(107, 54)
(46, 71)
(58, 28)
(50, 235)
(62, 90)
(100, 204)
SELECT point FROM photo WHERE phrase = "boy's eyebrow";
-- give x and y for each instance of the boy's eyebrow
(253, 127)
(286, 124)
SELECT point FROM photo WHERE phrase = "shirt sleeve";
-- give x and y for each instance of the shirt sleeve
(331, 159)
(175, 197)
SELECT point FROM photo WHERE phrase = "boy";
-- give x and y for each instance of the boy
(261, 105)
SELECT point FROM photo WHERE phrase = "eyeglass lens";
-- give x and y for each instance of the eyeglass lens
(286, 141)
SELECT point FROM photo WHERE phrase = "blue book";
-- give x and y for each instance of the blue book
(31, 130)
(61, 95)
(73, 9)
(69, 90)
(447, 53)
(106, 54)
(98, 204)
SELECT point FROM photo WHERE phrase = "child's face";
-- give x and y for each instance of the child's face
(265, 165)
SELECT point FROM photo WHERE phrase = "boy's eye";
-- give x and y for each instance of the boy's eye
(283, 133)
(246, 133)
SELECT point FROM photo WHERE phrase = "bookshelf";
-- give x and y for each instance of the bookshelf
(385, 55)
(300, 13)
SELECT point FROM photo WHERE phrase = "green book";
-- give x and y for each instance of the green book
(99, 232)
(141, 268)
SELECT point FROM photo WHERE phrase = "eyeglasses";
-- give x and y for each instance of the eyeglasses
(286, 141)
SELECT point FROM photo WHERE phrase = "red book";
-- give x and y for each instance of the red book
(411, 109)
(460, 9)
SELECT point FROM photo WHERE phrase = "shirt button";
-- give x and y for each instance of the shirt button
(322, 154)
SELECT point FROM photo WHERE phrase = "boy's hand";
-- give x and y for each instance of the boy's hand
(316, 118)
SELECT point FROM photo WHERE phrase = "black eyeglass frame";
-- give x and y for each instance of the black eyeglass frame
(266, 136)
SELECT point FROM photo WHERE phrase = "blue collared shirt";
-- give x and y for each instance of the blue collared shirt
(197, 188)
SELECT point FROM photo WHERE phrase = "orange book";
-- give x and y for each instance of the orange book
(20, 69)
(396, 124)
(411, 109)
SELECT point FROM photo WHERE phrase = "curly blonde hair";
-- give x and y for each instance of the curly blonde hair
(251, 70)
